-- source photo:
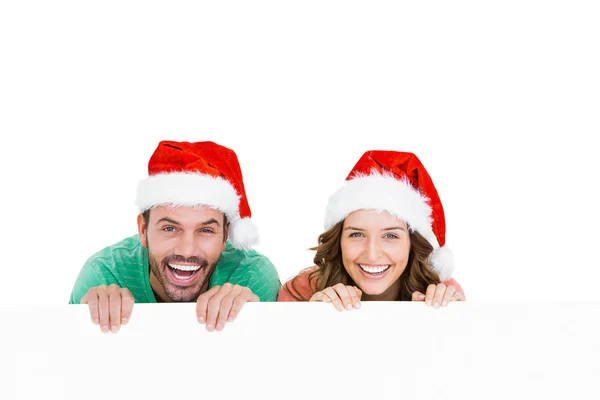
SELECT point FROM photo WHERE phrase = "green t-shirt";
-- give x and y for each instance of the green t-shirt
(125, 264)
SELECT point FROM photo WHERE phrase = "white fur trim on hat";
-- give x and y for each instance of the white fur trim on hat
(381, 193)
(243, 233)
(191, 190)
(188, 189)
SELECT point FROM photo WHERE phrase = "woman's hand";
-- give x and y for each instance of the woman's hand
(342, 296)
(438, 295)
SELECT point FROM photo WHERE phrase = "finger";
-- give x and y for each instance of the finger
(458, 296)
(429, 294)
(103, 309)
(344, 295)
(418, 296)
(450, 290)
(225, 307)
(127, 301)
(214, 304)
(320, 296)
(114, 310)
(91, 299)
(355, 294)
(236, 307)
(358, 294)
(202, 303)
(246, 296)
(440, 289)
(335, 300)
(239, 302)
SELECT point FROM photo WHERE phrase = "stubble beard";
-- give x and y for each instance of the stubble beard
(177, 293)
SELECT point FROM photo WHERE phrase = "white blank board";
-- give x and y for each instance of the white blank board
(306, 350)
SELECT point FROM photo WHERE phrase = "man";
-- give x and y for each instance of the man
(193, 243)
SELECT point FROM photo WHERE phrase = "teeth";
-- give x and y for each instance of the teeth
(374, 269)
(185, 267)
(183, 278)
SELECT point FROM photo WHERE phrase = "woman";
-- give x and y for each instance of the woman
(383, 241)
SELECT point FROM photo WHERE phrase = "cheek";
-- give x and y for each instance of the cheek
(213, 248)
(350, 252)
(157, 249)
(160, 245)
(399, 254)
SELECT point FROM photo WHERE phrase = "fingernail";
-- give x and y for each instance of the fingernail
(114, 329)
(357, 305)
(104, 328)
(230, 319)
(422, 296)
(124, 321)
(210, 327)
(219, 327)
(96, 321)
(349, 307)
(201, 320)
(428, 302)
(435, 305)
(445, 303)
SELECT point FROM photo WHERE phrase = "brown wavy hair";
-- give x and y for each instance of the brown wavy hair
(417, 275)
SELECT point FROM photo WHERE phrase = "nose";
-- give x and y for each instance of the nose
(373, 250)
(186, 246)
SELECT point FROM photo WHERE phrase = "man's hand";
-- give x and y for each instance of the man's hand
(110, 306)
(221, 304)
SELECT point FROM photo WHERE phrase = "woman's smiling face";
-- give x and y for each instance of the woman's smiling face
(375, 251)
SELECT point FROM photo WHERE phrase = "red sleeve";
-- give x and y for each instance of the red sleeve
(452, 282)
(284, 294)
(297, 287)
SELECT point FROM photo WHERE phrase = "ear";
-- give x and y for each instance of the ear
(225, 236)
(142, 230)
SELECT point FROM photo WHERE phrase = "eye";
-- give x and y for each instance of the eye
(355, 234)
(207, 230)
(168, 229)
(391, 236)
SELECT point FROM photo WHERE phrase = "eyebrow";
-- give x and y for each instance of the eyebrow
(171, 221)
(167, 219)
(386, 229)
(211, 221)
(393, 228)
(351, 228)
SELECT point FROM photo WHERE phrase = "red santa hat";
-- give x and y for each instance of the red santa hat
(199, 174)
(398, 183)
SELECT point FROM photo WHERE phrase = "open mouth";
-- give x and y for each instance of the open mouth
(183, 273)
(374, 270)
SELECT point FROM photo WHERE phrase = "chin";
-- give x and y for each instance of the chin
(373, 290)
(180, 296)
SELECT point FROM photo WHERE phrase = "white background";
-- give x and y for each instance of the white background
(500, 102)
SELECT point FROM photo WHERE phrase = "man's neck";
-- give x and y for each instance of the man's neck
(159, 291)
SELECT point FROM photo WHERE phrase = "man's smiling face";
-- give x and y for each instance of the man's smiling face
(184, 245)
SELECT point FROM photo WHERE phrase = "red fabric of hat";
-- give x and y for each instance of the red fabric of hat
(199, 174)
